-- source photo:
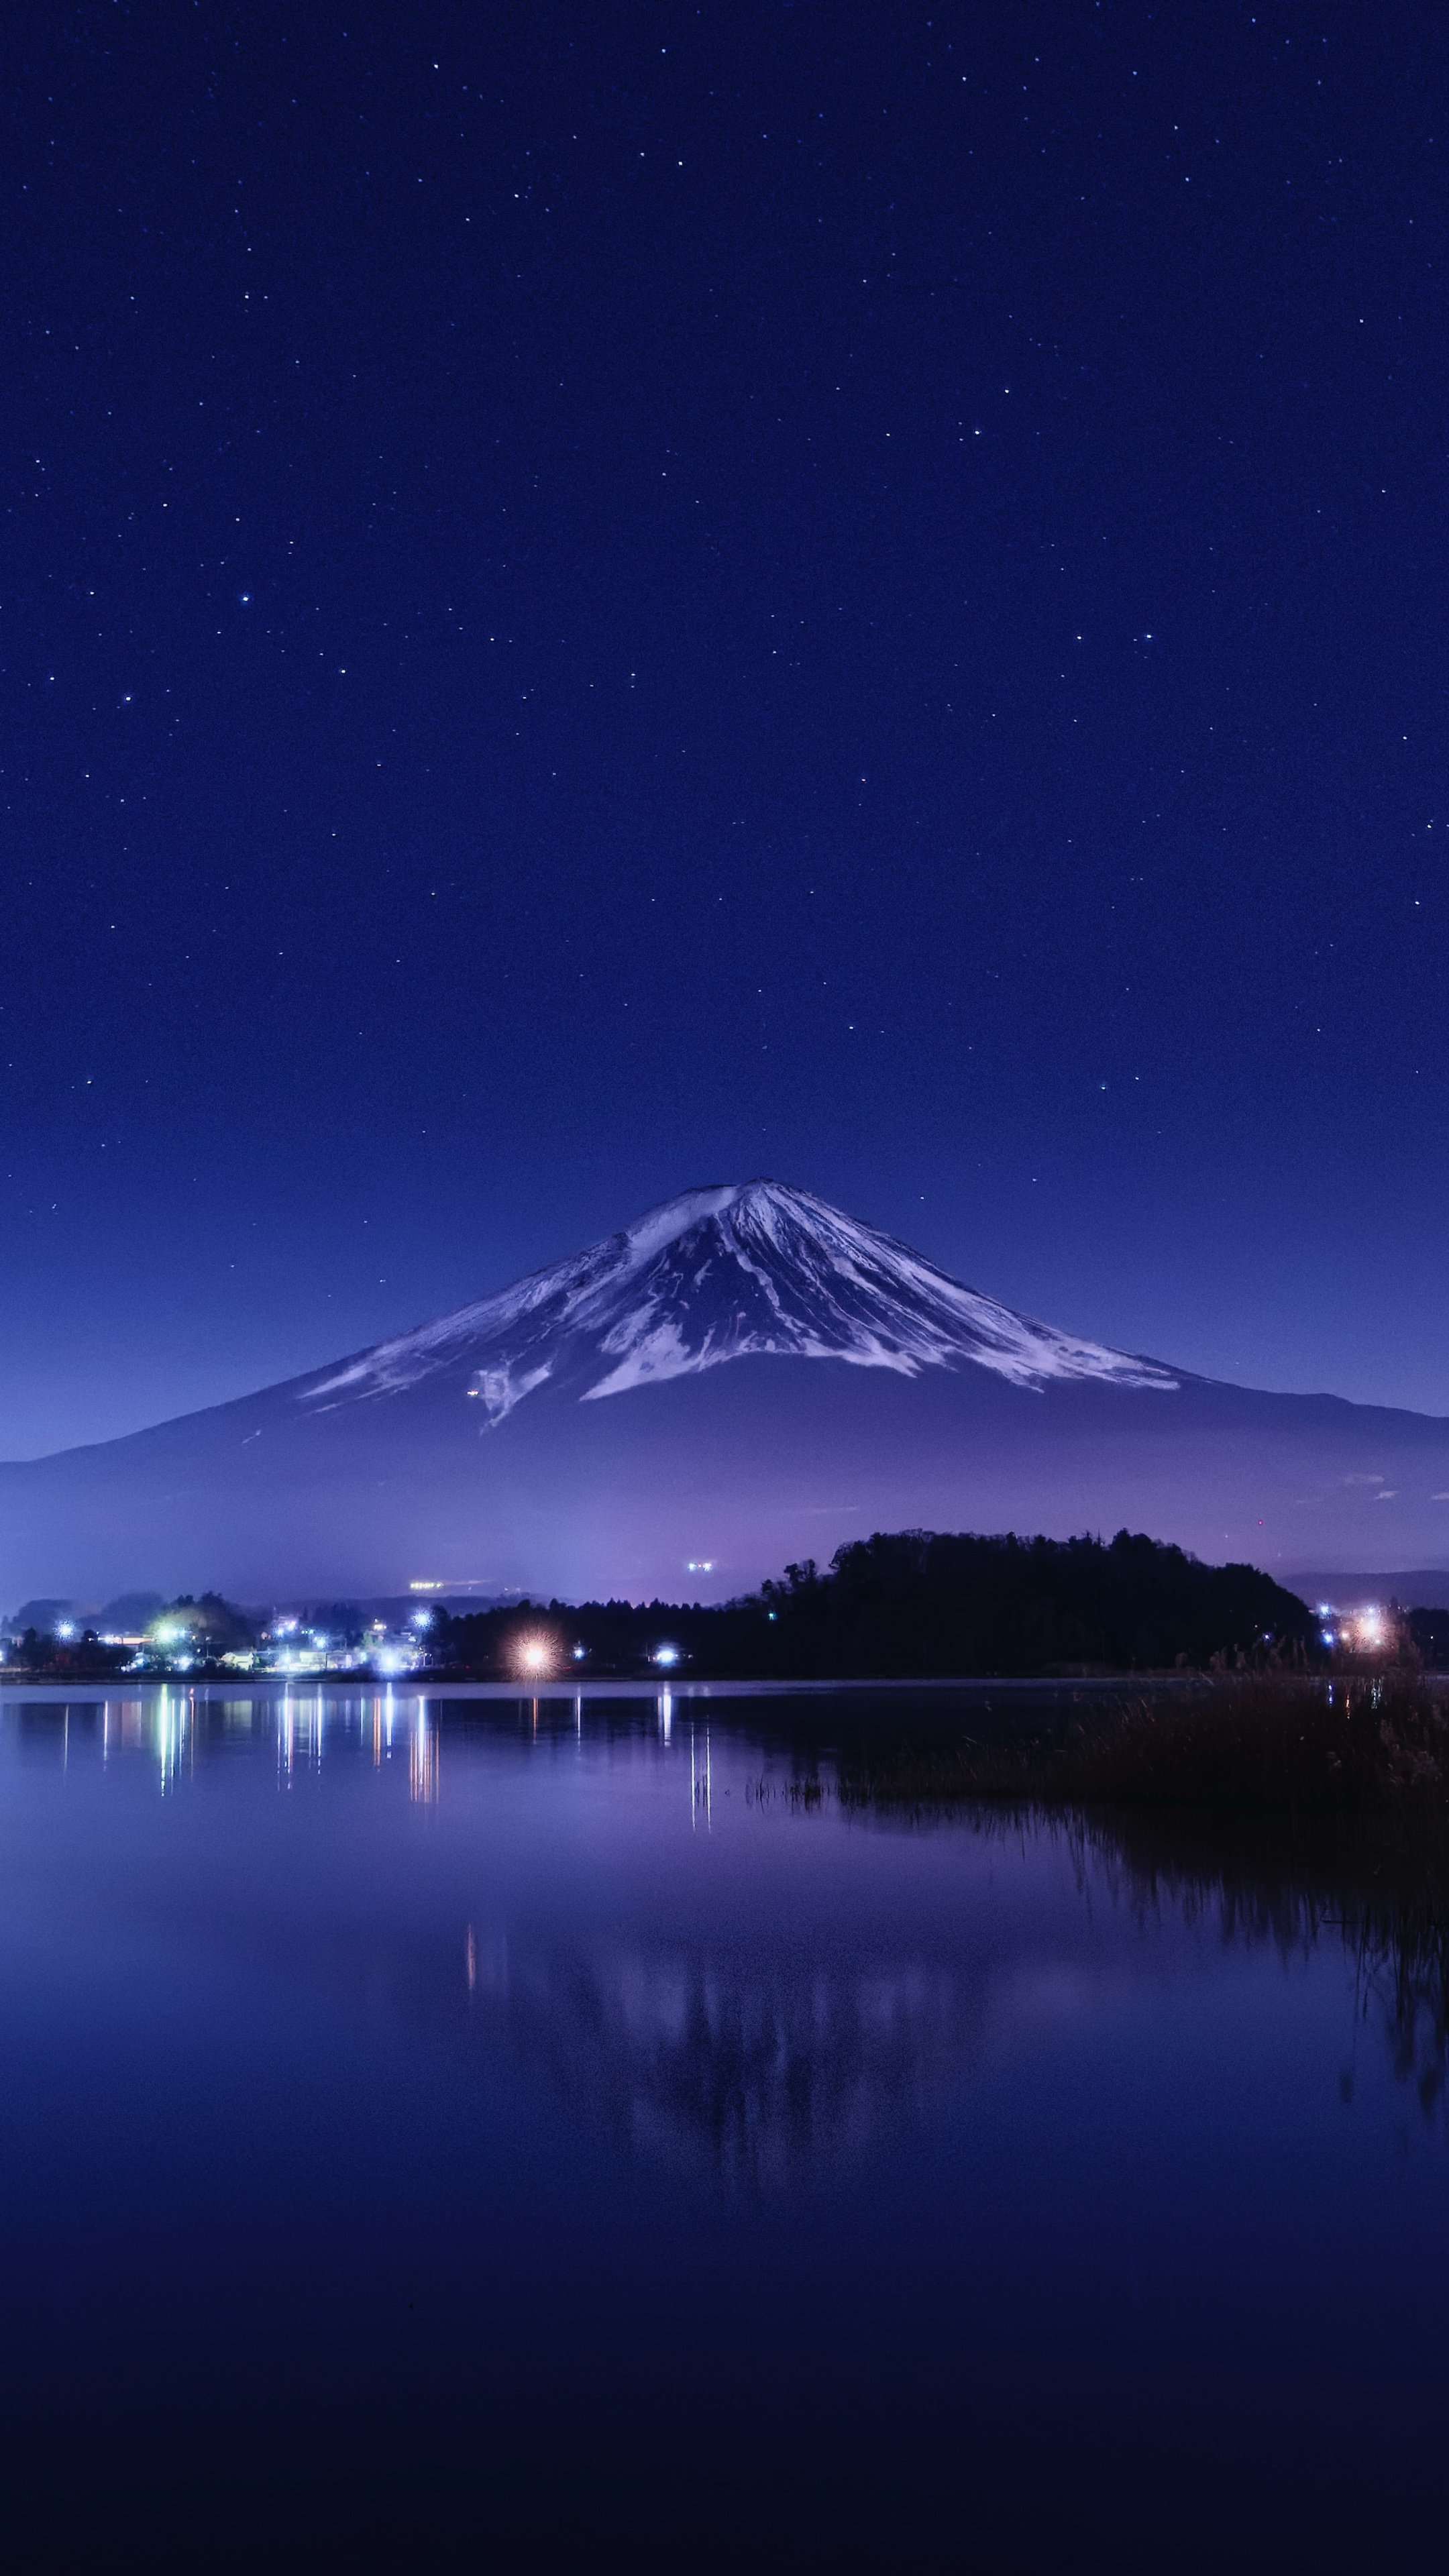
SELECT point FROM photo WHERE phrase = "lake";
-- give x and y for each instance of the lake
(465, 2130)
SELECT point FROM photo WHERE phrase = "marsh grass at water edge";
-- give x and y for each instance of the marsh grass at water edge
(1290, 1809)
(1361, 1744)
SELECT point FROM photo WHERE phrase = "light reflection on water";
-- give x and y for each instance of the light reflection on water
(765, 2059)
(170, 1723)
(600, 2021)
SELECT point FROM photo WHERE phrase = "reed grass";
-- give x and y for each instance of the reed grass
(1269, 1741)
(1290, 1810)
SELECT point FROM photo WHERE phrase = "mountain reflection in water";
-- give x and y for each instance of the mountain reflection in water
(769, 2067)
(995, 2190)
(765, 2068)
(774, 2046)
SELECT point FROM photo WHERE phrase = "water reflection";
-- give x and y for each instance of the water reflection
(766, 2063)
(742, 2033)
(760, 2068)
(1373, 1889)
(422, 1756)
(175, 1728)
(172, 1730)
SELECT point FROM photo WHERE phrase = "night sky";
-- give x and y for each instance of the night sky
(596, 600)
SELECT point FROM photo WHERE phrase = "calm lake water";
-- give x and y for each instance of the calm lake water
(483, 2132)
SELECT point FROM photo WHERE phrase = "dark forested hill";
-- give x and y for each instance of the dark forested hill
(918, 1603)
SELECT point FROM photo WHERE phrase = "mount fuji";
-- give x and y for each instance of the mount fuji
(741, 1377)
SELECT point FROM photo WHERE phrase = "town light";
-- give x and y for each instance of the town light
(666, 1654)
(535, 1655)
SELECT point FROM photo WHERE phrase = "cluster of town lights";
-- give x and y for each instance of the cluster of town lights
(293, 1649)
(1360, 1632)
(287, 1647)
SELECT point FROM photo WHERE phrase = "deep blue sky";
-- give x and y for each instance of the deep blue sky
(596, 600)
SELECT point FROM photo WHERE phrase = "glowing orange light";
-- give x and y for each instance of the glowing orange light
(534, 1655)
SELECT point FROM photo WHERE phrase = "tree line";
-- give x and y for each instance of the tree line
(904, 1604)
(916, 1603)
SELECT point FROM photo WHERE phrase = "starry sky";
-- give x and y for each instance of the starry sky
(593, 601)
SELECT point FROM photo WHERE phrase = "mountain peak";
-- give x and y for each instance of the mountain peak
(737, 1270)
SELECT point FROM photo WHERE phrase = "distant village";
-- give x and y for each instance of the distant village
(911, 1603)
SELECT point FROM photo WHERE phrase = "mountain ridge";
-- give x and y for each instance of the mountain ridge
(743, 1376)
(799, 1278)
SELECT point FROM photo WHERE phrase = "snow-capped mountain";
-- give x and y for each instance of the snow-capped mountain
(725, 1274)
(741, 1378)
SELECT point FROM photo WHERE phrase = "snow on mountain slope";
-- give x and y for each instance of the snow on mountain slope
(716, 1275)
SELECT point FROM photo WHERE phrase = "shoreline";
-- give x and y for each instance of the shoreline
(646, 1686)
